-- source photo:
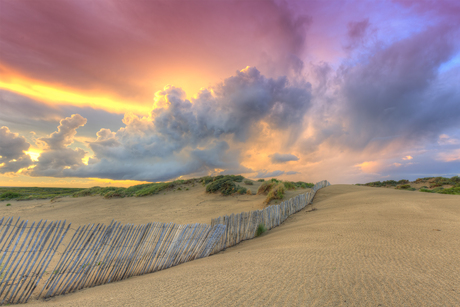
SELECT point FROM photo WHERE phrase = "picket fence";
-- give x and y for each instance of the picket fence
(100, 254)
(243, 226)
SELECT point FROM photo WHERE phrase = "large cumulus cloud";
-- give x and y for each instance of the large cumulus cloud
(180, 136)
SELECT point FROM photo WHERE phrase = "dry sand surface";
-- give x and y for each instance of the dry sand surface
(361, 247)
(182, 207)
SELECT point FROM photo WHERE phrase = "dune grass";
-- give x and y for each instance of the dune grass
(28, 193)
(439, 185)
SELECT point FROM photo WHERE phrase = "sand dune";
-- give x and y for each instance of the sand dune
(361, 247)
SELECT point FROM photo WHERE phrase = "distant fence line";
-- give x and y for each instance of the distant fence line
(243, 226)
(100, 254)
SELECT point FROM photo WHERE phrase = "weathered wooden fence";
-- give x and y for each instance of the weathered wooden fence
(243, 226)
(100, 254)
(26, 252)
(95, 254)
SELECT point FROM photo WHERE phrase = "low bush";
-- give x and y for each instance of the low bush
(248, 182)
(404, 186)
(119, 193)
(260, 180)
(304, 185)
(8, 205)
(249, 192)
(225, 185)
(241, 190)
(426, 190)
(260, 229)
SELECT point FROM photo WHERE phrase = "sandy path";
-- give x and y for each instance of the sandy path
(362, 247)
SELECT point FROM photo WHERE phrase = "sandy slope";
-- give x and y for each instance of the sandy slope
(183, 207)
(362, 247)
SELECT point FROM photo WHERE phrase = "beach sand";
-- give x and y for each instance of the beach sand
(361, 247)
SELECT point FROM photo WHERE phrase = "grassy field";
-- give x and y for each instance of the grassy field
(427, 184)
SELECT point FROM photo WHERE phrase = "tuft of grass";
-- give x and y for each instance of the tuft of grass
(260, 229)
(8, 205)
(403, 187)
(265, 187)
(277, 192)
(261, 180)
(248, 182)
(249, 192)
(426, 190)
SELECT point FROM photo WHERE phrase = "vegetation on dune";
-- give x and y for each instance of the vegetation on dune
(436, 185)
(277, 192)
(260, 229)
(26, 193)
(226, 185)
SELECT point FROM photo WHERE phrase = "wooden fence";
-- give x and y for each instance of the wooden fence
(100, 254)
(95, 254)
(243, 226)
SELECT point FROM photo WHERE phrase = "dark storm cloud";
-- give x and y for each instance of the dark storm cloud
(12, 151)
(283, 158)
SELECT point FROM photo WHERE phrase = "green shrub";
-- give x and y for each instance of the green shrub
(225, 185)
(304, 185)
(403, 181)
(260, 229)
(274, 180)
(260, 180)
(248, 182)
(411, 189)
(437, 189)
(249, 192)
(8, 205)
(404, 187)
(426, 190)
(241, 190)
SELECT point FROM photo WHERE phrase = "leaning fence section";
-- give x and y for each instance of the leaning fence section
(93, 255)
(26, 251)
(243, 226)
(99, 254)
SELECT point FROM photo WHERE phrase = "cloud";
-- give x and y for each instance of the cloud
(407, 158)
(57, 157)
(266, 174)
(12, 151)
(283, 158)
(182, 137)
(292, 173)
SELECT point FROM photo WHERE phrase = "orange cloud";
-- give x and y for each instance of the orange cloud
(369, 166)
(407, 158)
(450, 156)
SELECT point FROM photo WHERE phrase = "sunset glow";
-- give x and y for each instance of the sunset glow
(300, 90)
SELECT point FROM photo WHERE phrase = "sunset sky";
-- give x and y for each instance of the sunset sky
(119, 92)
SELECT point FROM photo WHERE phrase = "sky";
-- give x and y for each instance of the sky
(124, 92)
